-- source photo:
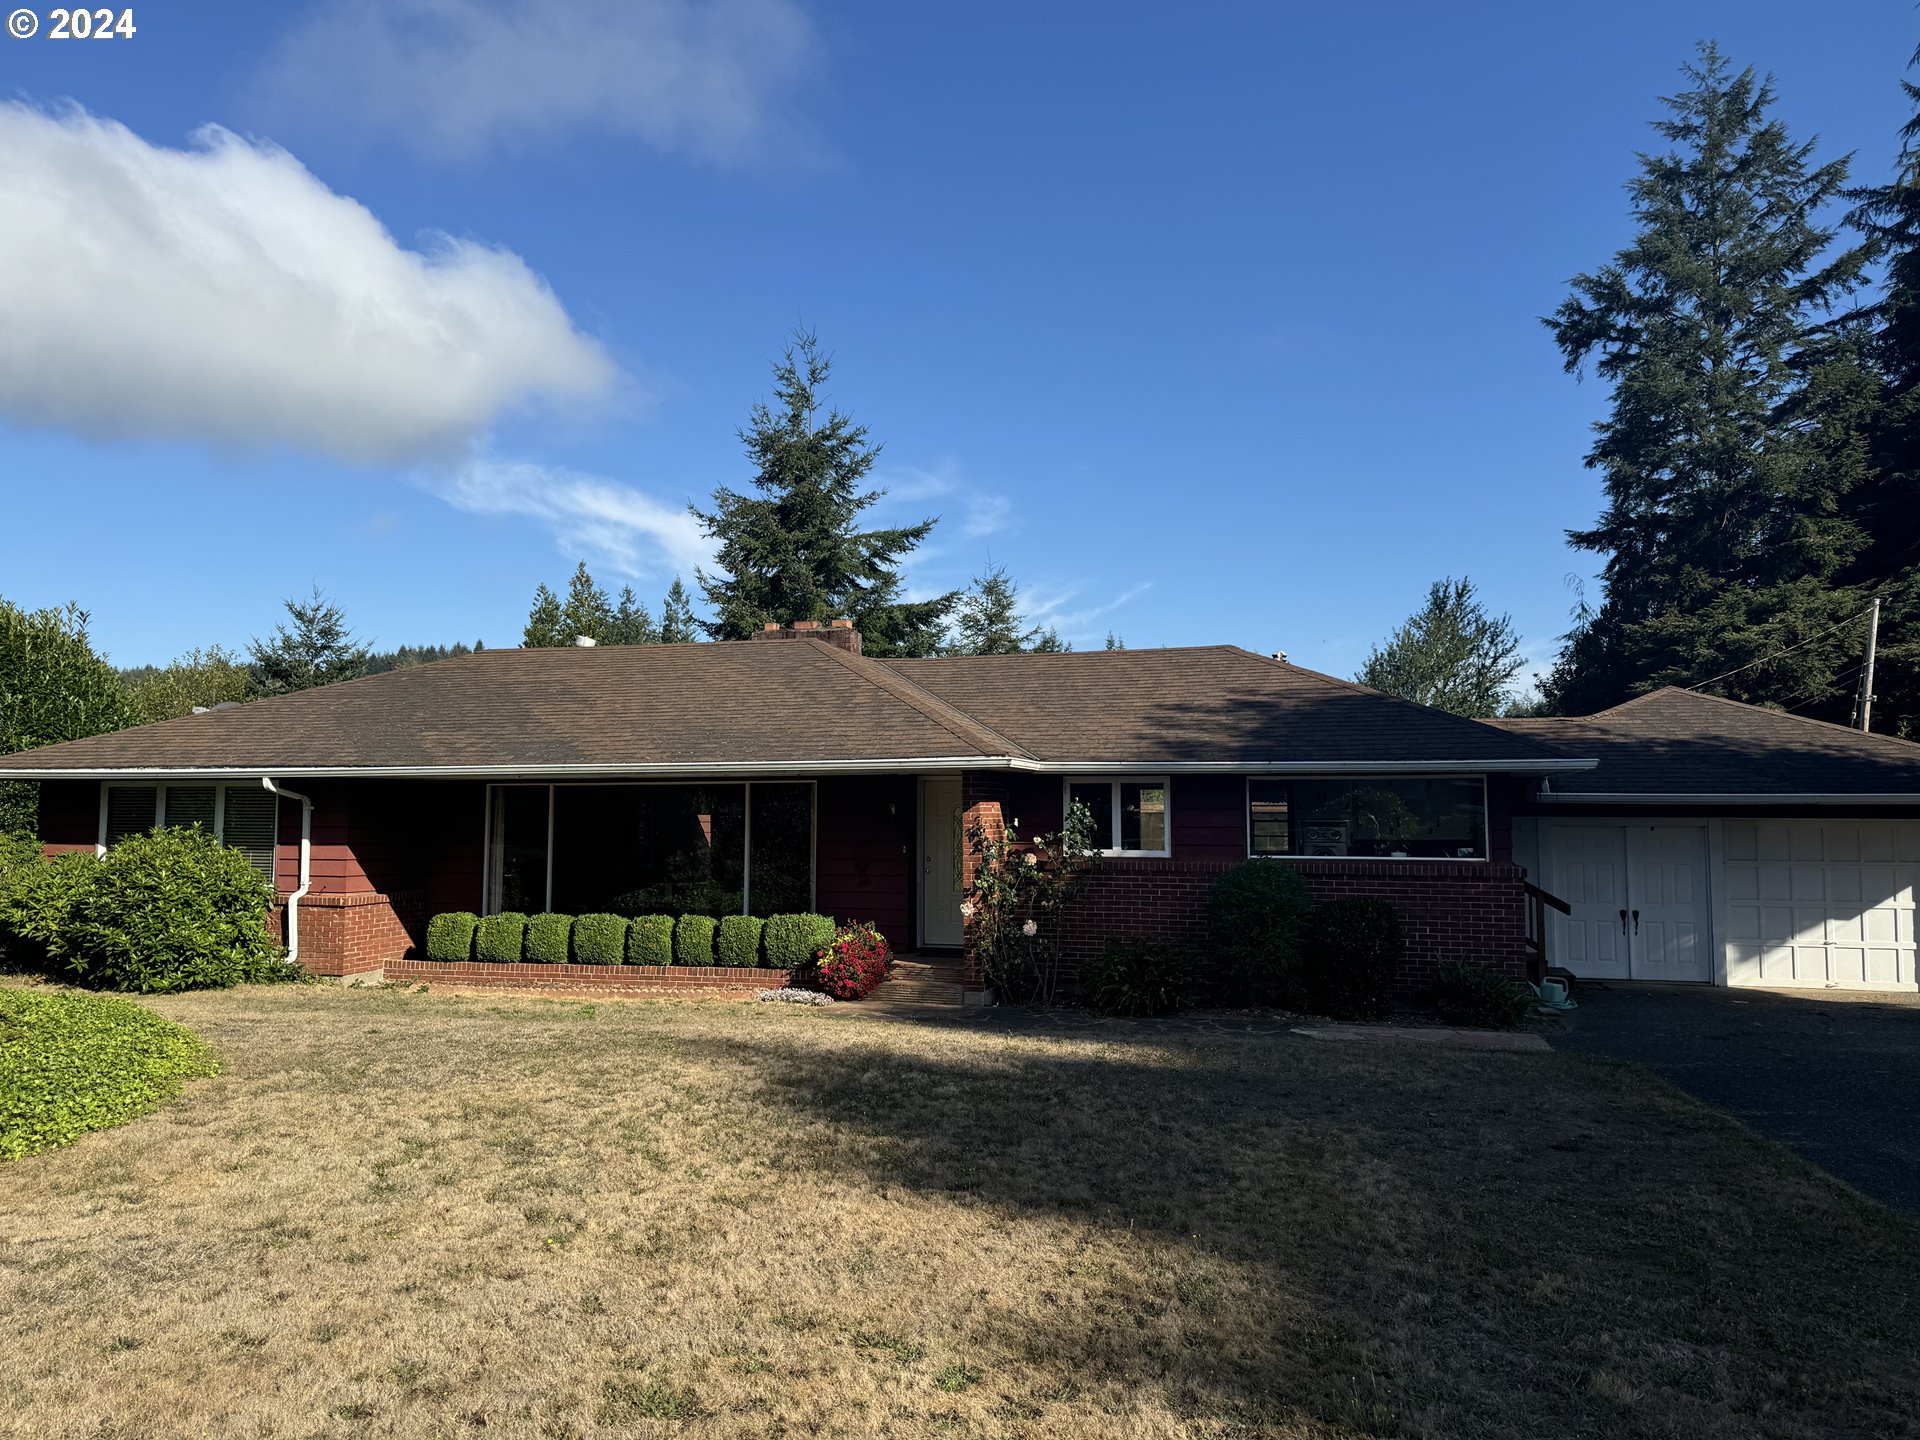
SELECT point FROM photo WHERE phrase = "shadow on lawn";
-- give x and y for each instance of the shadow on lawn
(1488, 1244)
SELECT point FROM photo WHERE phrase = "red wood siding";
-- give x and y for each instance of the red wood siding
(69, 815)
(863, 855)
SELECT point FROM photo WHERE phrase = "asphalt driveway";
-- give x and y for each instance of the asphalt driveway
(1836, 1076)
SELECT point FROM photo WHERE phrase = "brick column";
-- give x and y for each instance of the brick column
(353, 936)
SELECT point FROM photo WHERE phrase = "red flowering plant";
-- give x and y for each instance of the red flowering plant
(857, 960)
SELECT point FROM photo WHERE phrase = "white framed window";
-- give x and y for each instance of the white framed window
(1131, 813)
(1379, 817)
(246, 817)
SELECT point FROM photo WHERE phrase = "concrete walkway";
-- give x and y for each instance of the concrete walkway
(1833, 1074)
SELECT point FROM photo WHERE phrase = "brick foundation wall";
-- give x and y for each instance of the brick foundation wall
(708, 979)
(1475, 913)
(345, 935)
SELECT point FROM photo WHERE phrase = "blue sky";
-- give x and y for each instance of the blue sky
(1214, 324)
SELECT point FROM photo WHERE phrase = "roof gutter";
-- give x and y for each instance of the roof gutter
(306, 858)
(906, 765)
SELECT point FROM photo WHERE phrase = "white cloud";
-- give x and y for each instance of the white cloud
(222, 293)
(1076, 622)
(458, 78)
(590, 517)
(981, 512)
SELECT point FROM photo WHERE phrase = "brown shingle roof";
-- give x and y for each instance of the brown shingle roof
(1677, 742)
(805, 703)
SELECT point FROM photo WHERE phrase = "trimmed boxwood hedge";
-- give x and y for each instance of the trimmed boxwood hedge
(499, 939)
(549, 938)
(600, 940)
(693, 940)
(791, 940)
(74, 1063)
(650, 940)
(737, 942)
(450, 936)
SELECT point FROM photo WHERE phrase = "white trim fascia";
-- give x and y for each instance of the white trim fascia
(1708, 803)
(763, 768)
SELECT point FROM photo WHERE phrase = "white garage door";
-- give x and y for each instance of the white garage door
(1822, 902)
(1639, 899)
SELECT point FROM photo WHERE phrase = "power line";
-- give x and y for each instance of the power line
(1785, 650)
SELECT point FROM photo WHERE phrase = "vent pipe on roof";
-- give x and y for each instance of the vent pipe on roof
(585, 642)
(1281, 656)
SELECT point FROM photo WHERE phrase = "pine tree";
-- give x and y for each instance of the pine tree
(677, 625)
(791, 550)
(1115, 642)
(545, 626)
(1449, 654)
(631, 623)
(317, 650)
(1730, 441)
(987, 620)
(586, 611)
(1050, 643)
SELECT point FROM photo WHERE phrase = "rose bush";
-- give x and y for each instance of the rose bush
(857, 960)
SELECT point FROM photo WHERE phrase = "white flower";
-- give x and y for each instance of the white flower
(1033, 859)
(1030, 929)
(966, 909)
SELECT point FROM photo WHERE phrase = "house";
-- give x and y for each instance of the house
(791, 771)
(1721, 843)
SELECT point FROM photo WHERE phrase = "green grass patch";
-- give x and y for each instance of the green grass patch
(74, 1063)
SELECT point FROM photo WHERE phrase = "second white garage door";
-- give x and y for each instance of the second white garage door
(1822, 902)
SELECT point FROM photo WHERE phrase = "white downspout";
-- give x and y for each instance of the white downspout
(306, 852)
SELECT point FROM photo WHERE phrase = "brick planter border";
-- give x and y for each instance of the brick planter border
(698, 978)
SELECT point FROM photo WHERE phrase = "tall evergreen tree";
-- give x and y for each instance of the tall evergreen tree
(1450, 654)
(1115, 642)
(791, 549)
(1732, 434)
(52, 687)
(546, 627)
(586, 611)
(1050, 643)
(987, 621)
(677, 625)
(318, 649)
(1886, 506)
(631, 623)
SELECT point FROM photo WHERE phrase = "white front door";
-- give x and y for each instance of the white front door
(942, 850)
(1667, 902)
(1639, 898)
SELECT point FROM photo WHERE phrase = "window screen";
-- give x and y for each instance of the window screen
(188, 805)
(131, 810)
(252, 823)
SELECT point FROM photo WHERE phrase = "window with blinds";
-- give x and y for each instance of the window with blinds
(245, 817)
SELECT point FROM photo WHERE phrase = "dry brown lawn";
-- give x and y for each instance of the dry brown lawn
(424, 1215)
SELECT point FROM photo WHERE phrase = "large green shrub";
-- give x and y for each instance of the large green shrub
(37, 899)
(792, 941)
(650, 940)
(549, 939)
(1253, 927)
(501, 939)
(600, 939)
(74, 1063)
(173, 910)
(693, 940)
(1474, 995)
(1138, 977)
(450, 936)
(1350, 954)
(737, 941)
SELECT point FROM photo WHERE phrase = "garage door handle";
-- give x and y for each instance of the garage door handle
(1636, 922)
(1623, 922)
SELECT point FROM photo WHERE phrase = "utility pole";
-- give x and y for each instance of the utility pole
(1866, 672)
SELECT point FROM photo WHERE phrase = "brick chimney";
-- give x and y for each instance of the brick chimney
(834, 632)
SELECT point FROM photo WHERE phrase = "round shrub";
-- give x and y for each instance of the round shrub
(650, 940)
(853, 963)
(600, 939)
(693, 940)
(74, 1063)
(1138, 977)
(500, 939)
(737, 941)
(791, 941)
(450, 936)
(1350, 954)
(37, 898)
(549, 939)
(1476, 996)
(1253, 927)
(173, 910)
